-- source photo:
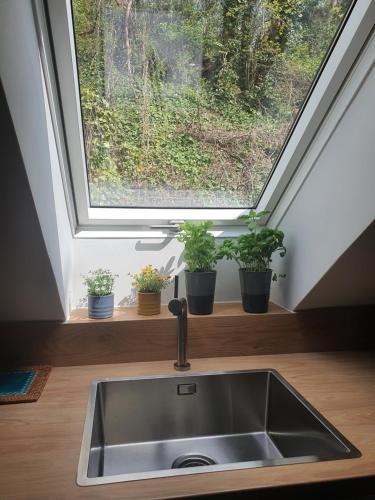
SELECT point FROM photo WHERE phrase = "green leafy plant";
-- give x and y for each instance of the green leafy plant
(253, 251)
(150, 280)
(201, 253)
(216, 132)
(99, 282)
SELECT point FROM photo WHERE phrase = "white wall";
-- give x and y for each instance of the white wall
(22, 78)
(28, 287)
(64, 230)
(336, 201)
(129, 255)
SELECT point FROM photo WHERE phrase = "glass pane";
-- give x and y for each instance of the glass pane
(187, 103)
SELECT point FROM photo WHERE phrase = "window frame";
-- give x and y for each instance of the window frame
(55, 19)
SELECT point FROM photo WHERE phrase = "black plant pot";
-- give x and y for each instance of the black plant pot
(200, 290)
(255, 290)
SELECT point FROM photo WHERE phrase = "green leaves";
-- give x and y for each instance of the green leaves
(99, 282)
(201, 253)
(194, 96)
(150, 280)
(253, 251)
(252, 219)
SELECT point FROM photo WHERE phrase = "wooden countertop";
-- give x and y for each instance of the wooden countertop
(40, 442)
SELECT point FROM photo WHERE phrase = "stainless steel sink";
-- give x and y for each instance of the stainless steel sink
(149, 427)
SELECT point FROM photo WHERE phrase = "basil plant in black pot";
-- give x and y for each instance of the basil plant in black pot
(201, 255)
(253, 252)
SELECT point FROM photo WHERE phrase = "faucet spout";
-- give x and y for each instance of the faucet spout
(178, 307)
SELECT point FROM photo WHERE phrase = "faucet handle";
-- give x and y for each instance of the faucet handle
(175, 295)
(175, 307)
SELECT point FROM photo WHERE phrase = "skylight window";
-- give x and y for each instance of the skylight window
(188, 103)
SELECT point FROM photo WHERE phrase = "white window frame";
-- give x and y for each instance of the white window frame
(136, 222)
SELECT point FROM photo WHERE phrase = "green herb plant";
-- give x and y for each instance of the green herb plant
(201, 253)
(99, 282)
(150, 280)
(253, 251)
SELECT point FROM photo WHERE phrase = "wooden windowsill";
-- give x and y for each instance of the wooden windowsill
(130, 313)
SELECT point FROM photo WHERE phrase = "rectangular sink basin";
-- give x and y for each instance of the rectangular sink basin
(149, 427)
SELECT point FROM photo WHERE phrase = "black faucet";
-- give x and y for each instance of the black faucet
(178, 307)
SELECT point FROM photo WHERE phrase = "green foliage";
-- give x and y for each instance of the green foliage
(101, 124)
(253, 251)
(150, 280)
(201, 253)
(99, 282)
(187, 95)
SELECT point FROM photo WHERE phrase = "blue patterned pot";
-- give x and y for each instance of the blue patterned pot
(100, 307)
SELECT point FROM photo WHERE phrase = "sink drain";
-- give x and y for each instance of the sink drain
(192, 460)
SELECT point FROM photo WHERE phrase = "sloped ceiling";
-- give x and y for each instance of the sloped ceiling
(28, 287)
(351, 280)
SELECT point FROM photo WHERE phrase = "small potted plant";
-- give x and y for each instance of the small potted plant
(201, 255)
(99, 292)
(149, 283)
(253, 252)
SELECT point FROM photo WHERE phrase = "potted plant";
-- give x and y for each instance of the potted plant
(149, 283)
(200, 255)
(253, 252)
(99, 293)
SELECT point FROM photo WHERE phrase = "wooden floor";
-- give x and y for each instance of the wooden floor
(40, 442)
